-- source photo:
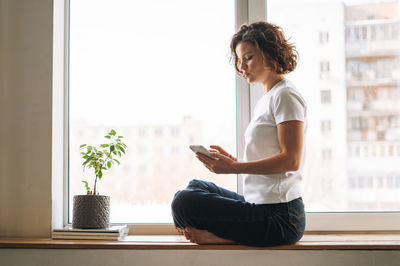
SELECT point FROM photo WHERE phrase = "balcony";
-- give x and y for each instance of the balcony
(373, 108)
(373, 164)
(352, 81)
(393, 134)
(372, 38)
(379, 48)
(355, 106)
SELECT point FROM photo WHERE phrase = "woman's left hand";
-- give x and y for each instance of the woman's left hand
(222, 164)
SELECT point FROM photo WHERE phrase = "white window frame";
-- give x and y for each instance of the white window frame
(246, 11)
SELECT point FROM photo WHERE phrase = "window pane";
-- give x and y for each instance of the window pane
(157, 72)
(355, 168)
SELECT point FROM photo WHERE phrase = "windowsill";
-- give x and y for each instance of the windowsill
(172, 242)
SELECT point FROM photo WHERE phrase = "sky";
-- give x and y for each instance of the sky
(136, 62)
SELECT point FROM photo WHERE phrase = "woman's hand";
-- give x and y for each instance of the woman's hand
(223, 164)
(222, 151)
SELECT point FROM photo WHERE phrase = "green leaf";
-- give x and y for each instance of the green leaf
(86, 186)
(87, 160)
(102, 157)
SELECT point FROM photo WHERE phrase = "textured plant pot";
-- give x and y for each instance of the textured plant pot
(91, 211)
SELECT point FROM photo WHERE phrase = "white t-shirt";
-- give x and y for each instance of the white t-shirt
(282, 103)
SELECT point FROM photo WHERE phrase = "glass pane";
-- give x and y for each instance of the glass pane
(352, 80)
(158, 72)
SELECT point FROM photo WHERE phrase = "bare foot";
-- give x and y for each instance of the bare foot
(185, 233)
(188, 235)
(180, 230)
(204, 237)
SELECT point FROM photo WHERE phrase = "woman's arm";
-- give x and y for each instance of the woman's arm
(290, 138)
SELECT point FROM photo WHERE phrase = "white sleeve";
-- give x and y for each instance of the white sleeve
(289, 105)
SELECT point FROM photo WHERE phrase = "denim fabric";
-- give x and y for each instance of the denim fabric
(206, 206)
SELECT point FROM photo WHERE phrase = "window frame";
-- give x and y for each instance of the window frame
(66, 114)
(246, 95)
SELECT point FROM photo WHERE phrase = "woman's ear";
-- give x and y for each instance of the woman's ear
(265, 62)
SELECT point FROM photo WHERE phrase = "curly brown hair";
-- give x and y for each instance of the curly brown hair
(280, 55)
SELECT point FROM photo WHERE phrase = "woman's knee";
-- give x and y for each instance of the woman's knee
(202, 185)
(195, 183)
(183, 200)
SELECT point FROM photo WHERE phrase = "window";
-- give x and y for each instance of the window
(150, 70)
(364, 31)
(325, 126)
(397, 185)
(326, 154)
(349, 34)
(158, 132)
(395, 31)
(391, 150)
(332, 201)
(384, 28)
(373, 32)
(324, 69)
(323, 37)
(325, 96)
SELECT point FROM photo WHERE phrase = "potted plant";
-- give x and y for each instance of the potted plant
(92, 211)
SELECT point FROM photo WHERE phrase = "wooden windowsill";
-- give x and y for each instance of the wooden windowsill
(173, 242)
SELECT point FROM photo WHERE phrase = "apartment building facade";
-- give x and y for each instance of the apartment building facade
(373, 113)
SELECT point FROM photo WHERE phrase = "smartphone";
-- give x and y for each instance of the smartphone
(202, 150)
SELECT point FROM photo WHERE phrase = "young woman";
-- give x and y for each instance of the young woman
(271, 211)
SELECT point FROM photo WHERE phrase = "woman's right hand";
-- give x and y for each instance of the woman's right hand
(222, 151)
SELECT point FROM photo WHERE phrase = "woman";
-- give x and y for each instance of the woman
(271, 212)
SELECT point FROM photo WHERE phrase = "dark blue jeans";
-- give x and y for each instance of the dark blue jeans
(206, 206)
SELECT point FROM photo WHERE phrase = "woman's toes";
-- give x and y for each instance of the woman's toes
(188, 235)
(180, 230)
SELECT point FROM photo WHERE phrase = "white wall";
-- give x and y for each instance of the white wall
(26, 257)
(25, 117)
(25, 162)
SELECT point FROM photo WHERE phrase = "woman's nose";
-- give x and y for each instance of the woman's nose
(242, 66)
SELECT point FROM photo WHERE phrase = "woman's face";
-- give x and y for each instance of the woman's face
(252, 64)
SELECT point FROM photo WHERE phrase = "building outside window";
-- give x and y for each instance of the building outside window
(361, 72)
